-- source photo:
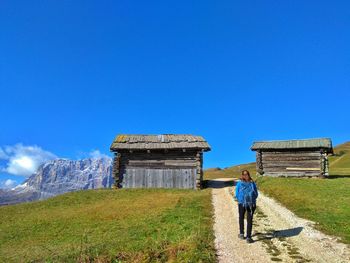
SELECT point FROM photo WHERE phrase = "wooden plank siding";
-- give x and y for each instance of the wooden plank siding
(291, 163)
(297, 158)
(159, 169)
(158, 161)
(158, 178)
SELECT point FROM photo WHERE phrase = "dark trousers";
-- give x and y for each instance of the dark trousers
(242, 210)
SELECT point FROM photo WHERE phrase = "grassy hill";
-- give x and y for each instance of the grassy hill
(325, 201)
(230, 172)
(158, 225)
(110, 226)
(339, 165)
(340, 162)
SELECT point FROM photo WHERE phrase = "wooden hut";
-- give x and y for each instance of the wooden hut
(298, 158)
(158, 161)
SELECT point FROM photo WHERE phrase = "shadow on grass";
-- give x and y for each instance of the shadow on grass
(291, 232)
(338, 176)
(218, 183)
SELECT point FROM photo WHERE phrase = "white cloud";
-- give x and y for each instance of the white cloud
(23, 160)
(8, 184)
(3, 155)
(98, 154)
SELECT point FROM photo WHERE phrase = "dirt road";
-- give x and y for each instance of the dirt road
(279, 235)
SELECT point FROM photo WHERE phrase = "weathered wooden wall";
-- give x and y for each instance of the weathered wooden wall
(159, 169)
(158, 178)
(290, 163)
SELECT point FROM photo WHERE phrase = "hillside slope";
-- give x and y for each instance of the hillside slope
(340, 162)
(325, 201)
(129, 225)
(339, 165)
(230, 172)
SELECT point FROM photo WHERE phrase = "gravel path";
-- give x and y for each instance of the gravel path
(280, 236)
(229, 247)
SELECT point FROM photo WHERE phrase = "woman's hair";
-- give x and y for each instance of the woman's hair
(249, 179)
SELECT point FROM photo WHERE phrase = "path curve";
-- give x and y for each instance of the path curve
(280, 236)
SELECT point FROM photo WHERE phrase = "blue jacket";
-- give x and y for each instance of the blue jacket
(239, 194)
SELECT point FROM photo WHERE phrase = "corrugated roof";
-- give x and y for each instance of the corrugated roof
(324, 143)
(162, 141)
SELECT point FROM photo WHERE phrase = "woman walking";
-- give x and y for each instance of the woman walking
(246, 194)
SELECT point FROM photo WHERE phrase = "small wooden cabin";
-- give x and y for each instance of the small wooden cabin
(158, 161)
(297, 158)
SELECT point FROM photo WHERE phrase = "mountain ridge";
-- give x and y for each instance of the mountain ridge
(59, 176)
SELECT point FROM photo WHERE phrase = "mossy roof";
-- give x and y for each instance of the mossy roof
(319, 143)
(162, 141)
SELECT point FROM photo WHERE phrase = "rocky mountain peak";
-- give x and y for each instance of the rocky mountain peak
(60, 176)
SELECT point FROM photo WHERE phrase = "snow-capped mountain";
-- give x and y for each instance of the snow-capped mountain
(60, 176)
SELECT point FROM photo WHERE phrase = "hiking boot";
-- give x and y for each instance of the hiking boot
(241, 236)
(250, 240)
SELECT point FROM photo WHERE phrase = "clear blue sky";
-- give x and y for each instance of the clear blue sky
(73, 74)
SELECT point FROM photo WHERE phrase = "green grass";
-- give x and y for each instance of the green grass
(149, 225)
(230, 172)
(340, 162)
(339, 165)
(324, 201)
(110, 226)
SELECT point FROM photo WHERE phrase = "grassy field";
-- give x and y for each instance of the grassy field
(340, 162)
(324, 201)
(230, 172)
(110, 226)
(158, 225)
